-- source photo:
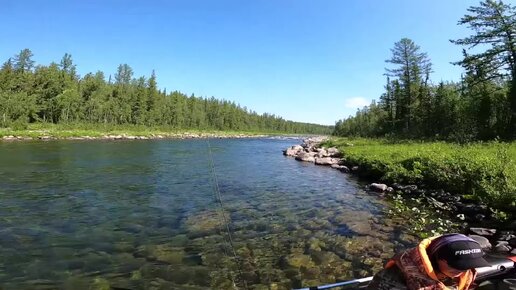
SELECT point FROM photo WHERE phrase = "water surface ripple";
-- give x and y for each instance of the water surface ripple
(143, 215)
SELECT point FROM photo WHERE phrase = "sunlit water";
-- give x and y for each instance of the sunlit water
(144, 215)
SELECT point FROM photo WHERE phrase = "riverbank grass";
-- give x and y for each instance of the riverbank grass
(481, 171)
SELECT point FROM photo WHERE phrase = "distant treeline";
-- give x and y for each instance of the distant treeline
(55, 93)
(481, 106)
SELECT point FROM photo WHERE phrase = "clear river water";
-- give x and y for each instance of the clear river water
(145, 215)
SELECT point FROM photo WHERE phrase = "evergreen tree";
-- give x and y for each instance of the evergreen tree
(494, 24)
(140, 109)
(7, 76)
(412, 66)
(388, 104)
(23, 61)
(67, 65)
(124, 74)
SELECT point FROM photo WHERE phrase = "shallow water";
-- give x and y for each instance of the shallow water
(144, 215)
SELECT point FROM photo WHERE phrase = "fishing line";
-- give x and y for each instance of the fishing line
(216, 190)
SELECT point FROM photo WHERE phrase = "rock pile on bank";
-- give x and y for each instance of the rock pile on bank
(46, 136)
(310, 151)
(494, 240)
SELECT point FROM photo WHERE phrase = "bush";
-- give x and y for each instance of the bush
(484, 171)
(20, 124)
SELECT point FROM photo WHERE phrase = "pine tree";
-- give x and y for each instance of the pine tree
(23, 61)
(124, 74)
(494, 24)
(388, 104)
(412, 66)
(67, 66)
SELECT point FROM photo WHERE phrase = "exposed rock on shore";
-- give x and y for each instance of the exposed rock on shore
(493, 240)
(45, 136)
(15, 138)
(310, 151)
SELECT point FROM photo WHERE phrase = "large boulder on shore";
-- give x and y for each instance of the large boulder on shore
(502, 247)
(379, 187)
(293, 151)
(306, 157)
(483, 231)
(333, 152)
(321, 153)
(326, 161)
(330, 152)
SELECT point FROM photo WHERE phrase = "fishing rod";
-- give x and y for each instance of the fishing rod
(339, 284)
(225, 220)
(500, 266)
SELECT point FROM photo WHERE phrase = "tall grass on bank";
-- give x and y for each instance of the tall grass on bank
(482, 171)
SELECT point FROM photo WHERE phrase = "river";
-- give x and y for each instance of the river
(145, 215)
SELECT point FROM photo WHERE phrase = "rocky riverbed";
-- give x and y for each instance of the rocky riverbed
(44, 136)
(474, 218)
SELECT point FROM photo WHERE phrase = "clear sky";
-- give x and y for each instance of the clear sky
(304, 60)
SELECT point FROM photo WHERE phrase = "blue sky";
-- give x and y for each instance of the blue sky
(309, 61)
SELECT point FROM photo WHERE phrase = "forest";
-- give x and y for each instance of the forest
(481, 106)
(56, 94)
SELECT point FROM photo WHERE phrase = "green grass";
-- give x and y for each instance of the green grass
(482, 171)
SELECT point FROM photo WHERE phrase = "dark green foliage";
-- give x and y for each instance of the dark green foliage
(494, 24)
(481, 107)
(56, 94)
(411, 71)
(23, 61)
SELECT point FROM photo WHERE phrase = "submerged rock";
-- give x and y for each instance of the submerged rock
(100, 284)
(179, 240)
(341, 168)
(206, 222)
(133, 283)
(168, 254)
(312, 272)
(163, 253)
(316, 244)
(299, 260)
(325, 258)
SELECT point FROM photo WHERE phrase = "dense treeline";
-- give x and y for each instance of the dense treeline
(57, 94)
(481, 106)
